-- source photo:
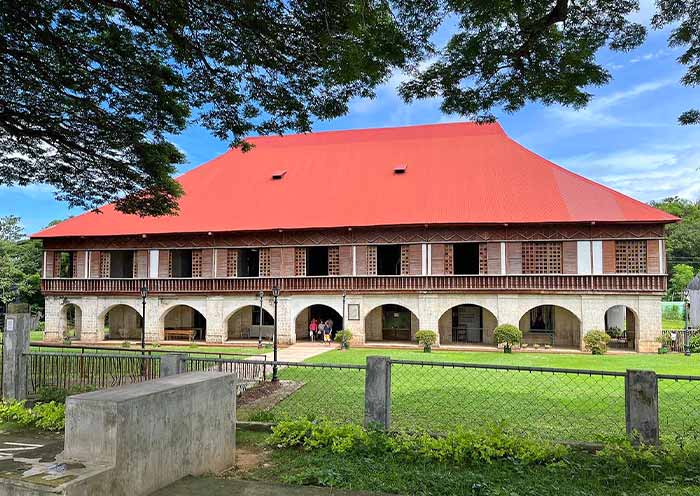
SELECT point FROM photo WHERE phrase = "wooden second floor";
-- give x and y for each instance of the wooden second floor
(612, 258)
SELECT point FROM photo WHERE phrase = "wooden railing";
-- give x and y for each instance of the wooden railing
(611, 283)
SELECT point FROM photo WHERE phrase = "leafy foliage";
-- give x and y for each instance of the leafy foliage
(48, 394)
(460, 446)
(508, 334)
(45, 416)
(596, 341)
(683, 238)
(427, 339)
(694, 343)
(91, 90)
(343, 337)
(20, 263)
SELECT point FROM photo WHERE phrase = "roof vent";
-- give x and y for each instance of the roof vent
(400, 169)
(278, 174)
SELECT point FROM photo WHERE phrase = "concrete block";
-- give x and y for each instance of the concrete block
(15, 344)
(153, 433)
(642, 406)
(378, 391)
(172, 364)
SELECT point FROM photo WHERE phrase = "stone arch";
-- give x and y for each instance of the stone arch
(103, 314)
(467, 323)
(622, 325)
(391, 322)
(319, 311)
(123, 320)
(183, 317)
(551, 324)
(244, 322)
(71, 321)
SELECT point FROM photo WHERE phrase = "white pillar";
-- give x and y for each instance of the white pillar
(216, 327)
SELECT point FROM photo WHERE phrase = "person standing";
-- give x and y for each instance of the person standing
(327, 334)
(321, 330)
(313, 327)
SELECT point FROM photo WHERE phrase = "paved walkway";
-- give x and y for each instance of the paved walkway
(226, 487)
(300, 351)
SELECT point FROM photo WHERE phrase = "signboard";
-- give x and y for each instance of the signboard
(10, 325)
(353, 311)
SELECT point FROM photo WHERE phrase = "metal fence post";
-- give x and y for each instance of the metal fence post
(378, 391)
(15, 345)
(172, 364)
(642, 406)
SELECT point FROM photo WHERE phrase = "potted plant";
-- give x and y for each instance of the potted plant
(614, 332)
(343, 337)
(596, 341)
(665, 341)
(509, 335)
(427, 339)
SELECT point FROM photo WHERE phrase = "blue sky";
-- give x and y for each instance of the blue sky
(628, 138)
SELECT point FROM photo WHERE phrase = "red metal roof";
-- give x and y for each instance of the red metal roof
(461, 173)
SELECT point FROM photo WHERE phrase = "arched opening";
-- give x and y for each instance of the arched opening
(621, 326)
(467, 324)
(123, 322)
(71, 322)
(184, 322)
(550, 325)
(390, 323)
(320, 313)
(246, 323)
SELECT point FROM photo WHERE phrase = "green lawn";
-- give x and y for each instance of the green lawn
(580, 474)
(672, 324)
(557, 406)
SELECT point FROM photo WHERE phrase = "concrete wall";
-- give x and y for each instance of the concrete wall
(152, 434)
(428, 309)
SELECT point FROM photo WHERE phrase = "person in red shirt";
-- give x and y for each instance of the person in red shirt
(313, 327)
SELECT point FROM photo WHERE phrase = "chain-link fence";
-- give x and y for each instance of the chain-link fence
(551, 403)
(679, 408)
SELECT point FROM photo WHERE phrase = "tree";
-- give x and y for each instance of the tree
(683, 238)
(90, 90)
(505, 54)
(682, 275)
(11, 228)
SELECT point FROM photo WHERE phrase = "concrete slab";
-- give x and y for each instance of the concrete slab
(194, 486)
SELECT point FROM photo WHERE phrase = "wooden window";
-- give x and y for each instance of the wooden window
(542, 257)
(231, 262)
(631, 256)
(483, 259)
(196, 263)
(372, 260)
(333, 261)
(299, 261)
(449, 259)
(105, 264)
(405, 260)
(265, 263)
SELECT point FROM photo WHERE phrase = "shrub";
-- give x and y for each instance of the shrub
(460, 446)
(47, 394)
(40, 327)
(46, 416)
(155, 344)
(126, 344)
(343, 337)
(427, 339)
(596, 341)
(614, 332)
(508, 334)
(694, 343)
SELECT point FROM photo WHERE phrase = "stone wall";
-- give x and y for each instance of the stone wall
(577, 313)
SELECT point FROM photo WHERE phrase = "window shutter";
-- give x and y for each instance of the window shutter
(361, 260)
(437, 259)
(299, 261)
(333, 261)
(449, 260)
(484, 259)
(228, 262)
(372, 260)
(570, 257)
(608, 257)
(164, 264)
(493, 255)
(265, 262)
(653, 261)
(49, 268)
(345, 260)
(405, 260)
(95, 259)
(286, 262)
(105, 264)
(514, 258)
(197, 263)
(415, 260)
(141, 261)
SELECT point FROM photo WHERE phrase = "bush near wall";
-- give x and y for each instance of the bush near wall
(45, 416)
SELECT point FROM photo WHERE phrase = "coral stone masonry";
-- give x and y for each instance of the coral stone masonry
(454, 228)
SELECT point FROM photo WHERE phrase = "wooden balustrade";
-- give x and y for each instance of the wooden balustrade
(559, 283)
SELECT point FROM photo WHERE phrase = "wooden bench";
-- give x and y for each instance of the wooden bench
(188, 334)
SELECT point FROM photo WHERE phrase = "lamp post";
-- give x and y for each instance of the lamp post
(686, 309)
(275, 295)
(144, 294)
(261, 294)
(344, 343)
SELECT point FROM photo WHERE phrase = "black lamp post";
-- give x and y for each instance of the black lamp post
(275, 295)
(686, 309)
(144, 294)
(344, 344)
(261, 294)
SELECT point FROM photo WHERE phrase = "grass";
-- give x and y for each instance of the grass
(580, 474)
(579, 407)
(672, 324)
